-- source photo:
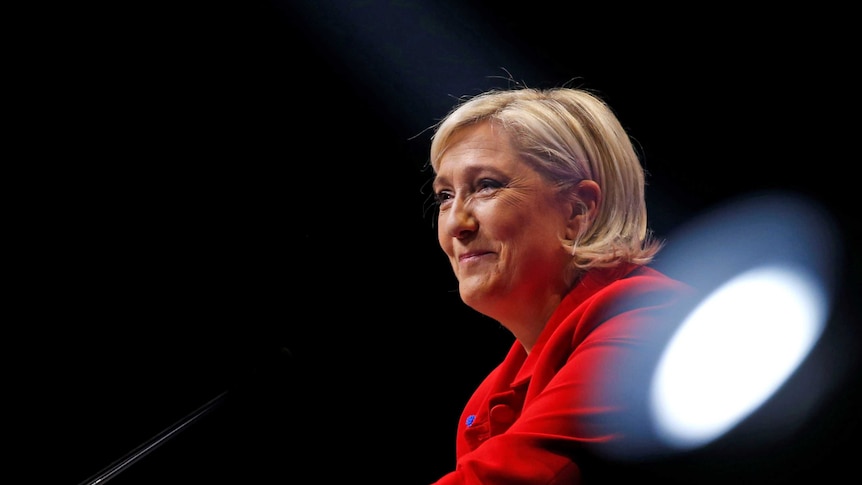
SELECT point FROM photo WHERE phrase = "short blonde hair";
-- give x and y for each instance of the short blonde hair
(569, 135)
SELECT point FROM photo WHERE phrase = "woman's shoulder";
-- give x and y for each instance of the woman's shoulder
(625, 293)
(630, 278)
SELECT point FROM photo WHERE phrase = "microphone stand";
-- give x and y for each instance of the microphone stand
(265, 366)
(147, 447)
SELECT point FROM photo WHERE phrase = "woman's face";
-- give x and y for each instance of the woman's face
(500, 222)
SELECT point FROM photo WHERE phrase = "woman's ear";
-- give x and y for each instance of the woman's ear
(585, 199)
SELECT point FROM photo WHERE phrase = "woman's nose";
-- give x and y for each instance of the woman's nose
(459, 219)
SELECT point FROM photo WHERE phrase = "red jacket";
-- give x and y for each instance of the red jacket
(534, 415)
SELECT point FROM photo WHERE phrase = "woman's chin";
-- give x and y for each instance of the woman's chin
(482, 298)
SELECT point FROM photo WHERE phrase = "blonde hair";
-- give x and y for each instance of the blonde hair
(569, 135)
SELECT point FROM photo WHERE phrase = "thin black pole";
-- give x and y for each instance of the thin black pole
(144, 449)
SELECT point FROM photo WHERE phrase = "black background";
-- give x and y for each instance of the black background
(230, 196)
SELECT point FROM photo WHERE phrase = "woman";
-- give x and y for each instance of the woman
(543, 217)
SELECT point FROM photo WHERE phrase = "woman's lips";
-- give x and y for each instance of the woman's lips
(472, 256)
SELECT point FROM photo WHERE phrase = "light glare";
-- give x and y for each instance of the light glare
(734, 351)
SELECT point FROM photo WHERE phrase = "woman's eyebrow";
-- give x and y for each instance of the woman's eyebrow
(438, 181)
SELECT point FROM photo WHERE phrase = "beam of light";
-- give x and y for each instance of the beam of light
(395, 52)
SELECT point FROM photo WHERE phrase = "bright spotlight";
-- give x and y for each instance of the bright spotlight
(763, 268)
(734, 351)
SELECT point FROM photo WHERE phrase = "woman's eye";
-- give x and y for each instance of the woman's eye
(442, 196)
(488, 184)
